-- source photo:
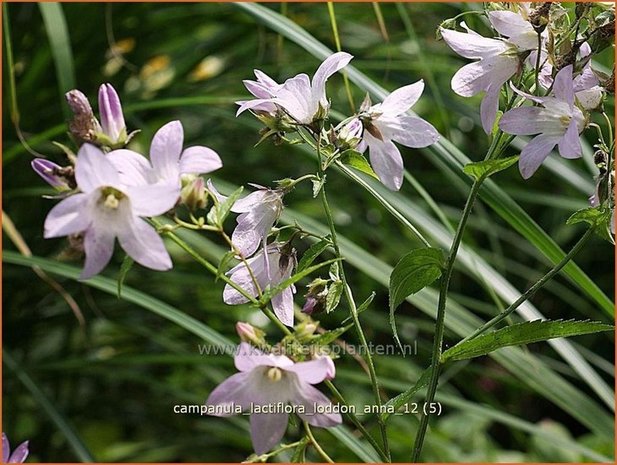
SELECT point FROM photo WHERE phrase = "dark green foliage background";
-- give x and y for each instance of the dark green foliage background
(116, 379)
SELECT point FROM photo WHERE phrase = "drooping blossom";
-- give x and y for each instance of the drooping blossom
(258, 212)
(558, 122)
(271, 381)
(168, 161)
(498, 59)
(52, 173)
(106, 209)
(389, 122)
(270, 267)
(301, 98)
(19, 455)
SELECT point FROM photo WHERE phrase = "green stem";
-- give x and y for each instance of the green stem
(538, 59)
(319, 449)
(441, 314)
(350, 300)
(533, 289)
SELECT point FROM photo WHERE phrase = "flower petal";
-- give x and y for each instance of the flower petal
(142, 243)
(198, 160)
(99, 247)
(235, 390)
(489, 108)
(94, 170)
(267, 430)
(387, 162)
(67, 217)
(311, 398)
(570, 144)
(331, 65)
(295, 96)
(479, 76)
(472, 46)
(20, 454)
(153, 199)
(5, 448)
(283, 306)
(134, 168)
(402, 99)
(314, 371)
(534, 154)
(247, 203)
(242, 278)
(166, 148)
(253, 227)
(110, 110)
(512, 25)
(563, 88)
(260, 104)
(526, 121)
(248, 357)
(415, 132)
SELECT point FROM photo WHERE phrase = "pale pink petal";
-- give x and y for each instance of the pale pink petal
(242, 278)
(99, 247)
(258, 89)
(586, 80)
(524, 121)
(387, 162)
(295, 96)
(257, 104)
(253, 227)
(142, 243)
(166, 149)
(402, 99)
(489, 108)
(331, 65)
(248, 357)
(563, 86)
(314, 371)
(512, 25)
(313, 399)
(198, 160)
(534, 154)
(20, 454)
(267, 430)
(247, 203)
(414, 132)
(283, 306)
(94, 170)
(570, 144)
(214, 191)
(472, 46)
(134, 168)
(153, 199)
(67, 217)
(6, 448)
(235, 390)
(591, 98)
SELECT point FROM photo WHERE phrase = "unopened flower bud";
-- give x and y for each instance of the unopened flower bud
(305, 330)
(112, 119)
(315, 297)
(50, 172)
(540, 16)
(84, 125)
(350, 134)
(193, 194)
(248, 333)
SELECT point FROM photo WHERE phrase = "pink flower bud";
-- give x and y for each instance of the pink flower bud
(110, 110)
(50, 172)
(250, 334)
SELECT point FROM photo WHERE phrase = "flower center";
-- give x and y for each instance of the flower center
(275, 374)
(565, 121)
(111, 197)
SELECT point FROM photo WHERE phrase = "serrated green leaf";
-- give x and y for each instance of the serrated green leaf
(333, 297)
(598, 217)
(404, 397)
(330, 336)
(312, 253)
(484, 169)
(356, 160)
(219, 211)
(412, 273)
(126, 266)
(522, 333)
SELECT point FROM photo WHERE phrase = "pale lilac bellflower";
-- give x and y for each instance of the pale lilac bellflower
(557, 122)
(107, 209)
(168, 161)
(498, 59)
(269, 382)
(389, 122)
(19, 455)
(269, 267)
(303, 99)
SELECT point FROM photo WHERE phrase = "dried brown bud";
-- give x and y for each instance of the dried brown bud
(539, 17)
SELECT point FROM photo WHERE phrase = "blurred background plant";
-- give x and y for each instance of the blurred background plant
(90, 376)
